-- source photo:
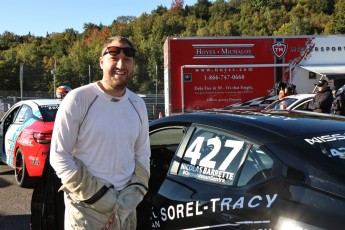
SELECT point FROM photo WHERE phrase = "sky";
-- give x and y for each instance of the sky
(41, 16)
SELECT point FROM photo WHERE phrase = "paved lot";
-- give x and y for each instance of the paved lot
(15, 208)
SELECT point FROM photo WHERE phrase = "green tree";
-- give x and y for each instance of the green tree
(8, 40)
(201, 9)
(336, 24)
(75, 52)
(31, 55)
(9, 70)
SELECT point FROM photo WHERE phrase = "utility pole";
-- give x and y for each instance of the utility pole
(21, 79)
(89, 74)
(156, 112)
(53, 72)
(156, 83)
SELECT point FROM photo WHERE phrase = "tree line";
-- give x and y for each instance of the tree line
(76, 54)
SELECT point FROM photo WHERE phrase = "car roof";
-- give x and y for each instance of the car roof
(301, 96)
(41, 102)
(263, 122)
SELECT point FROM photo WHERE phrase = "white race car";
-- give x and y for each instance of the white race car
(293, 102)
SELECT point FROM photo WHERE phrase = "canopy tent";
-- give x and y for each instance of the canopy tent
(335, 72)
(326, 69)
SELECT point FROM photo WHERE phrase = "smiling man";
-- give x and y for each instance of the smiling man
(100, 146)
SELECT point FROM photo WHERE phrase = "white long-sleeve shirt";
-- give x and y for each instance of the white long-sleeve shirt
(107, 138)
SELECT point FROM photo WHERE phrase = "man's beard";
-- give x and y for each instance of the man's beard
(122, 84)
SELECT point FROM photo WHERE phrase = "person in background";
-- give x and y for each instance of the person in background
(286, 90)
(289, 91)
(62, 91)
(100, 145)
(334, 91)
(293, 88)
(323, 99)
(338, 105)
(281, 86)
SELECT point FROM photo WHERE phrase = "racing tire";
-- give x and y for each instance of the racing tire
(21, 174)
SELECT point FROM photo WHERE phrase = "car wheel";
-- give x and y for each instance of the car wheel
(21, 174)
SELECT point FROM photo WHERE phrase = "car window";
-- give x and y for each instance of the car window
(167, 136)
(257, 167)
(48, 112)
(164, 144)
(212, 156)
(304, 106)
(282, 104)
(9, 119)
(23, 114)
(273, 105)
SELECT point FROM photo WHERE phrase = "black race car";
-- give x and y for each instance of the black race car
(247, 170)
(241, 169)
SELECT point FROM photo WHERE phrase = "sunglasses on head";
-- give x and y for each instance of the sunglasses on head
(115, 50)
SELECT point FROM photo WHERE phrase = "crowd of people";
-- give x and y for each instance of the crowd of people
(323, 99)
(328, 99)
(338, 104)
(286, 90)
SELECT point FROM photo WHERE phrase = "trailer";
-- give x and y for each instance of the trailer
(214, 72)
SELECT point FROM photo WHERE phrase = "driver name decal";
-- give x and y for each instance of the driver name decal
(204, 173)
(197, 208)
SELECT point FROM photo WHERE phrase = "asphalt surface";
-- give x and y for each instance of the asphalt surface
(15, 210)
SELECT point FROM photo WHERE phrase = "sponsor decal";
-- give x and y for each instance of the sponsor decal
(325, 138)
(340, 152)
(329, 48)
(251, 115)
(24, 141)
(34, 160)
(333, 152)
(197, 208)
(223, 51)
(279, 49)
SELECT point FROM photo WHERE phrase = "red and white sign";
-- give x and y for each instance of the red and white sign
(201, 73)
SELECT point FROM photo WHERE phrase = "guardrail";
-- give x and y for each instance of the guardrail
(154, 105)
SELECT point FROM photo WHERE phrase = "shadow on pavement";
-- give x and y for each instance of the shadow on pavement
(4, 183)
(17, 222)
(8, 172)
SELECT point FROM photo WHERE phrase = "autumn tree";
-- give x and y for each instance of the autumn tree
(76, 54)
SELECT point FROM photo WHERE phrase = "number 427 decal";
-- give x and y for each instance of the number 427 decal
(194, 152)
